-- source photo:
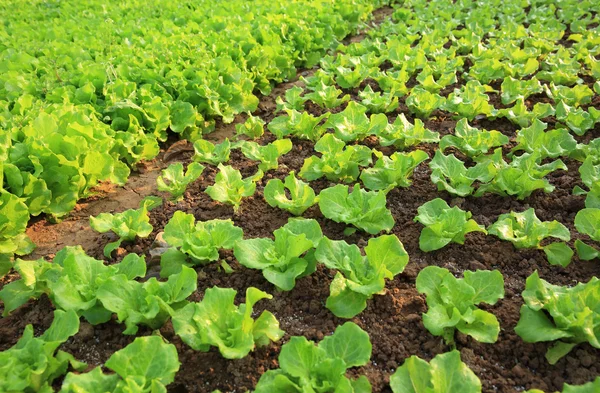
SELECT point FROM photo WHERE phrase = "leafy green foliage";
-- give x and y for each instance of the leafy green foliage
(33, 363)
(520, 114)
(267, 154)
(148, 364)
(293, 100)
(326, 96)
(403, 134)
(590, 176)
(573, 96)
(578, 120)
(352, 124)
(302, 125)
(128, 225)
(589, 387)
(366, 210)
(150, 303)
(514, 89)
(469, 101)
(380, 102)
(450, 174)
(445, 373)
(301, 195)
(217, 321)
(422, 102)
(587, 221)
(554, 143)
(253, 127)
(360, 277)
(175, 181)
(230, 188)
(452, 302)
(288, 257)
(14, 216)
(526, 230)
(306, 367)
(393, 171)
(472, 141)
(200, 241)
(444, 225)
(337, 161)
(210, 153)
(567, 314)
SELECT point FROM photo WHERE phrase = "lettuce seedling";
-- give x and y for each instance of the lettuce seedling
(403, 134)
(349, 78)
(587, 221)
(567, 314)
(526, 230)
(148, 364)
(514, 89)
(326, 96)
(590, 387)
(573, 96)
(393, 171)
(352, 124)
(446, 373)
(307, 367)
(14, 216)
(216, 321)
(520, 177)
(444, 225)
(33, 363)
(268, 155)
(210, 153)
(293, 100)
(360, 277)
(450, 174)
(253, 127)
(366, 210)
(175, 181)
(286, 258)
(127, 225)
(470, 101)
(590, 176)
(200, 241)
(301, 195)
(472, 141)
(302, 125)
(422, 103)
(452, 302)
(577, 119)
(230, 188)
(554, 143)
(150, 303)
(337, 161)
(378, 102)
(520, 115)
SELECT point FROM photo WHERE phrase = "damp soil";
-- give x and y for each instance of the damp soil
(393, 319)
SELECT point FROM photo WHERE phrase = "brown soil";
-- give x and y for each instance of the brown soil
(393, 320)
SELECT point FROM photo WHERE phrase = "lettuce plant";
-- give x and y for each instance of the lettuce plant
(422, 102)
(403, 134)
(267, 154)
(578, 120)
(326, 96)
(349, 78)
(302, 125)
(525, 230)
(587, 221)
(217, 322)
(450, 174)
(14, 216)
(513, 89)
(301, 195)
(469, 101)
(589, 172)
(444, 225)
(452, 302)
(286, 258)
(352, 124)
(337, 161)
(393, 171)
(308, 367)
(127, 225)
(523, 175)
(33, 363)
(573, 96)
(589, 387)
(381, 102)
(293, 100)
(230, 188)
(567, 314)
(148, 364)
(553, 143)
(360, 277)
(472, 141)
(200, 241)
(150, 303)
(366, 210)
(210, 153)
(446, 373)
(175, 181)
(253, 127)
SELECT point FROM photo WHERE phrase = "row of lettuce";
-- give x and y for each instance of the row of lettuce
(92, 90)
